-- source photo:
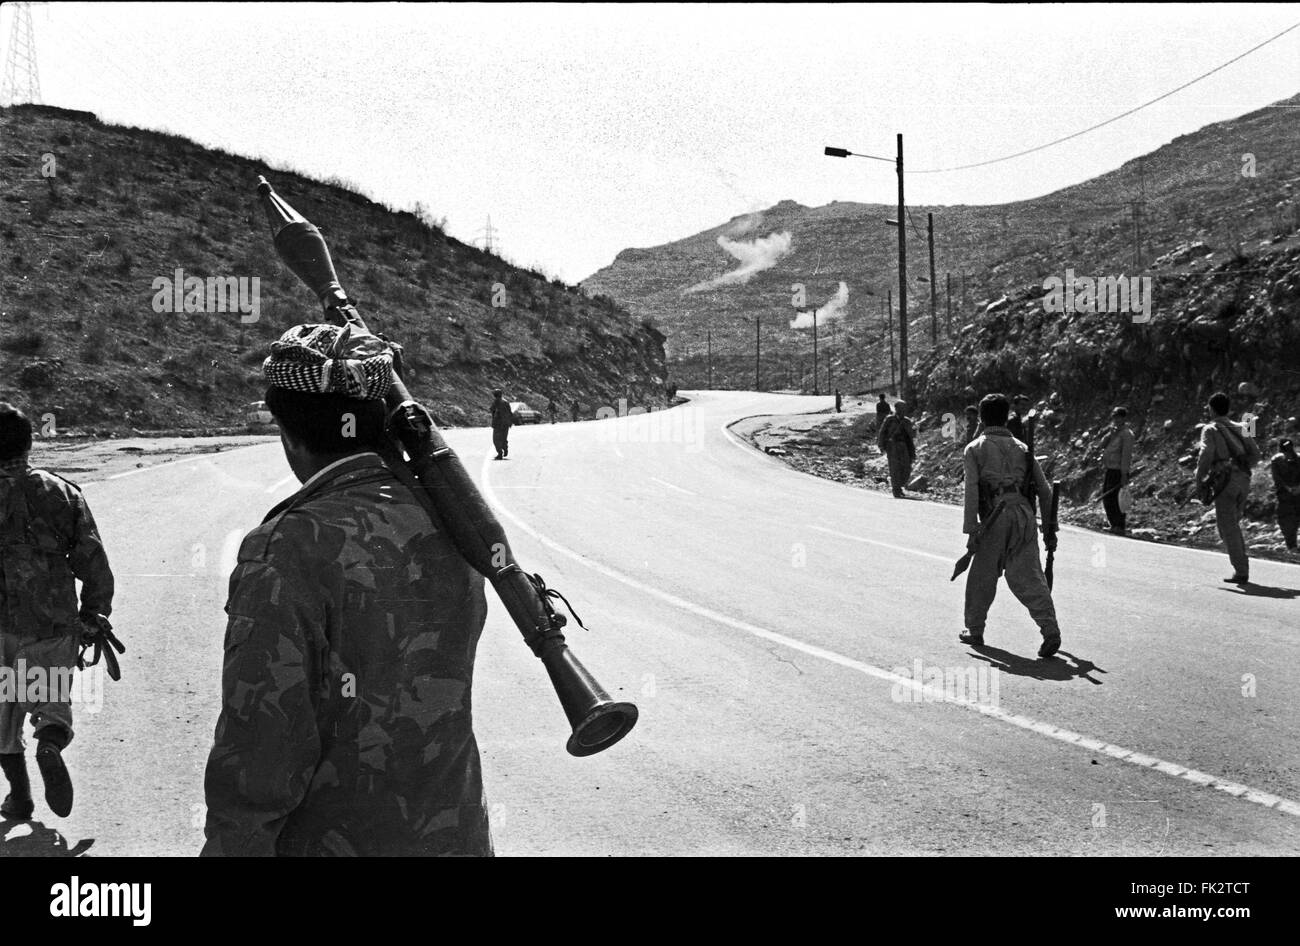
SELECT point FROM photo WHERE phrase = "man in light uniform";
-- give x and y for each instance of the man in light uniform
(1000, 470)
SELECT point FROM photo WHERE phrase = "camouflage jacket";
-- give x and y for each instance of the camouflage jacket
(48, 541)
(345, 724)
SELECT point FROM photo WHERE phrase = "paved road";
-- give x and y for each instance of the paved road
(757, 616)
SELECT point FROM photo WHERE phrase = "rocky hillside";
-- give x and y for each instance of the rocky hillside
(1221, 194)
(94, 215)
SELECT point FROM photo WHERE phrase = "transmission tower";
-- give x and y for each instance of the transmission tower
(22, 82)
(489, 236)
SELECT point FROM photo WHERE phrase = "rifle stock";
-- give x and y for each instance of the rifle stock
(444, 487)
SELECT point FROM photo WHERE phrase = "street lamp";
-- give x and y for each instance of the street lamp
(902, 257)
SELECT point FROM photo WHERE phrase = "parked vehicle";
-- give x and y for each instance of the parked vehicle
(258, 415)
(525, 414)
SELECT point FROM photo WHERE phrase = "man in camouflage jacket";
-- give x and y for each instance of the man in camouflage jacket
(48, 541)
(345, 726)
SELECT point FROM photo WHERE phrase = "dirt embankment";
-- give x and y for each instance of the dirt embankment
(89, 461)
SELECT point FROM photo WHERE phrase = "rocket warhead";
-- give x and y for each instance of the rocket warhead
(301, 247)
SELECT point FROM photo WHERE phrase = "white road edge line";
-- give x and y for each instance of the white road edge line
(275, 487)
(672, 486)
(1173, 769)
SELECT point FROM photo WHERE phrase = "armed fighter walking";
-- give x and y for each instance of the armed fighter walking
(48, 542)
(999, 521)
(897, 441)
(502, 417)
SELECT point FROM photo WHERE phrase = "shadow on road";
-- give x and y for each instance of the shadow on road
(1052, 669)
(1263, 591)
(33, 839)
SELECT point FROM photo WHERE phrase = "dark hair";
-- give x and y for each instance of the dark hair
(972, 409)
(1121, 411)
(1220, 403)
(994, 410)
(318, 420)
(15, 432)
(497, 392)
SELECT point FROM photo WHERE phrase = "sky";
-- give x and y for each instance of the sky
(582, 130)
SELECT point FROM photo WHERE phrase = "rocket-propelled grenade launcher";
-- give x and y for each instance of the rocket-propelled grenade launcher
(442, 484)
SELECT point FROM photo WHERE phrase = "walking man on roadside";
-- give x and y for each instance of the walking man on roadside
(502, 418)
(882, 411)
(1285, 467)
(48, 542)
(897, 441)
(1020, 423)
(1001, 472)
(1117, 463)
(1228, 455)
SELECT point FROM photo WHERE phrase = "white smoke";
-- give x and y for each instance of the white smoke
(755, 256)
(834, 309)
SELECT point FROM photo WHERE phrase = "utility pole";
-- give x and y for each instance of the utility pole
(709, 337)
(758, 344)
(816, 390)
(947, 292)
(934, 318)
(889, 325)
(902, 280)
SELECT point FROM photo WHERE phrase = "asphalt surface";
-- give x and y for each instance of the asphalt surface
(768, 624)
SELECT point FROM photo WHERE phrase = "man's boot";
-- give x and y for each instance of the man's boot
(18, 804)
(49, 759)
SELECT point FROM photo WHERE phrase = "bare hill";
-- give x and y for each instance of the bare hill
(82, 337)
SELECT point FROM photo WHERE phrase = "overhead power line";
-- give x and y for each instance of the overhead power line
(1138, 108)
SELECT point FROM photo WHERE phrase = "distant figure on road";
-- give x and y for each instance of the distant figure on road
(573, 411)
(345, 726)
(48, 542)
(972, 422)
(552, 410)
(882, 411)
(839, 402)
(1000, 471)
(502, 418)
(1227, 456)
(1117, 463)
(897, 441)
(1285, 467)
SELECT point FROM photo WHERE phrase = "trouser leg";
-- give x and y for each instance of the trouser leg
(1110, 502)
(50, 707)
(12, 715)
(499, 440)
(896, 456)
(1229, 506)
(1027, 582)
(1288, 520)
(982, 577)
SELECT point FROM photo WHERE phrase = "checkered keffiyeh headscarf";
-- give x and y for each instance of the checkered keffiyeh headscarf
(323, 359)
